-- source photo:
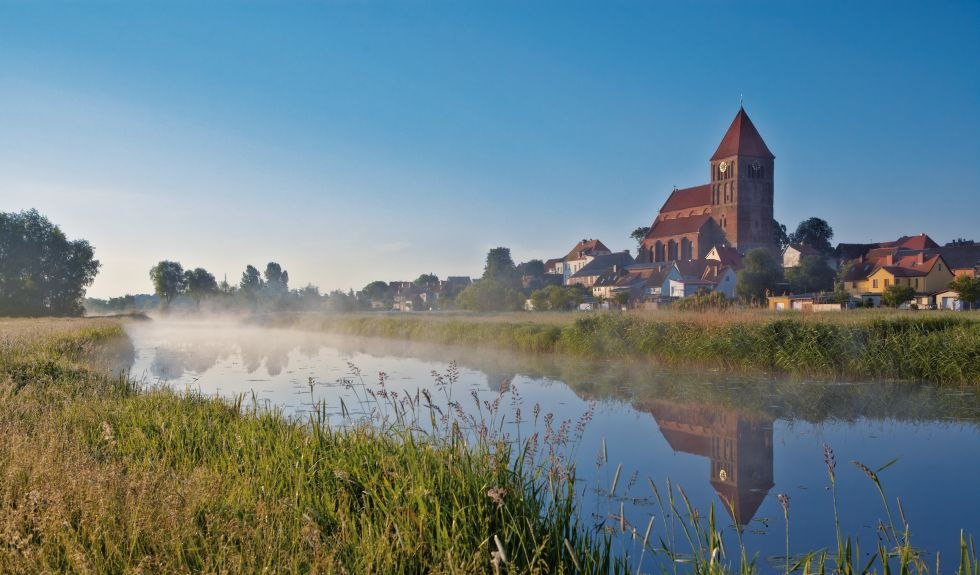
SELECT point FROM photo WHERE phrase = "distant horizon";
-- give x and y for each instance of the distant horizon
(358, 142)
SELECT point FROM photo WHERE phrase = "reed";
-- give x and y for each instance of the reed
(936, 347)
(98, 476)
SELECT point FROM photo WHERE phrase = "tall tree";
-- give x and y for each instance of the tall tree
(759, 275)
(377, 290)
(639, 234)
(251, 281)
(168, 280)
(501, 269)
(815, 233)
(200, 284)
(427, 281)
(779, 236)
(531, 268)
(812, 275)
(41, 271)
(276, 278)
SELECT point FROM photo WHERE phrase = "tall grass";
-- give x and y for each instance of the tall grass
(97, 476)
(940, 348)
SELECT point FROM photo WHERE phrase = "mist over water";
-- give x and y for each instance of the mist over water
(727, 439)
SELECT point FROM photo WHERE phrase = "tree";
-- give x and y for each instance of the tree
(531, 268)
(639, 234)
(967, 288)
(168, 280)
(500, 268)
(41, 271)
(377, 290)
(557, 298)
(815, 233)
(489, 295)
(199, 284)
(276, 279)
(759, 275)
(622, 298)
(251, 281)
(427, 281)
(812, 275)
(896, 295)
(779, 235)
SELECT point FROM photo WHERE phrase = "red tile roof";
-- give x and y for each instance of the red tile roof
(677, 226)
(742, 139)
(687, 198)
(903, 272)
(919, 242)
(586, 247)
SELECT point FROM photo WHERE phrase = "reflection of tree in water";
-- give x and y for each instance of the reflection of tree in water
(197, 354)
(739, 445)
(172, 361)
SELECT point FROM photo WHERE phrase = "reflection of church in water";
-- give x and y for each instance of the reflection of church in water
(738, 445)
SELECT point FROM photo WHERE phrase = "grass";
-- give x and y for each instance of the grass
(927, 346)
(97, 476)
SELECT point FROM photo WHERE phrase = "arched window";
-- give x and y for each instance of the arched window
(658, 249)
(671, 250)
(686, 249)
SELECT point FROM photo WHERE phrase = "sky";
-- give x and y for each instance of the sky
(353, 141)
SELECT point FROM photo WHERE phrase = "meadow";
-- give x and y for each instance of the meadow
(935, 347)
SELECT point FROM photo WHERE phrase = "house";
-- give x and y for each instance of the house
(686, 278)
(726, 255)
(644, 282)
(793, 254)
(804, 302)
(578, 257)
(927, 275)
(600, 265)
(949, 299)
(963, 257)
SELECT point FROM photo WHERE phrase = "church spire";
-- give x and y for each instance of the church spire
(742, 139)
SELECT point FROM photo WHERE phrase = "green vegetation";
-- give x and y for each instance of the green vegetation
(42, 273)
(759, 276)
(558, 298)
(967, 288)
(99, 476)
(896, 295)
(938, 347)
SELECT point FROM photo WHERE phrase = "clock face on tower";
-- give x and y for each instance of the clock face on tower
(723, 167)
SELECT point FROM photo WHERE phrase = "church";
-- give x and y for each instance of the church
(733, 210)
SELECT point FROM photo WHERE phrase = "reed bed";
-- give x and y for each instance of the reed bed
(942, 348)
(98, 476)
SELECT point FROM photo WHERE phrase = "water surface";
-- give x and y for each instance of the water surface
(731, 440)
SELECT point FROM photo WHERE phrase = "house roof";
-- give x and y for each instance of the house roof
(586, 248)
(687, 198)
(903, 272)
(919, 242)
(677, 226)
(728, 256)
(649, 274)
(853, 251)
(603, 264)
(742, 139)
(961, 256)
(803, 249)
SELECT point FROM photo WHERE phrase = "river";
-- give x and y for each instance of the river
(730, 440)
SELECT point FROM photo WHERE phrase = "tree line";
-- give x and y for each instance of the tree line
(42, 272)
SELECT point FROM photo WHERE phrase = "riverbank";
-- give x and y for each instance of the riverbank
(936, 347)
(99, 476)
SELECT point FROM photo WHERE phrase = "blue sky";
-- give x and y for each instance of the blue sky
(352, 141)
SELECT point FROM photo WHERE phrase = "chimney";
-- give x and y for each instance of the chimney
(890, 260)
(921, 258)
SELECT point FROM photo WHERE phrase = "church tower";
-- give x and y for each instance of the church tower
(742, 187)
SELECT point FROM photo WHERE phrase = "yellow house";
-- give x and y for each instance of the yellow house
(927, 275)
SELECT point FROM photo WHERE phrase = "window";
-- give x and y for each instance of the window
(874, 283)
(886, 282)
